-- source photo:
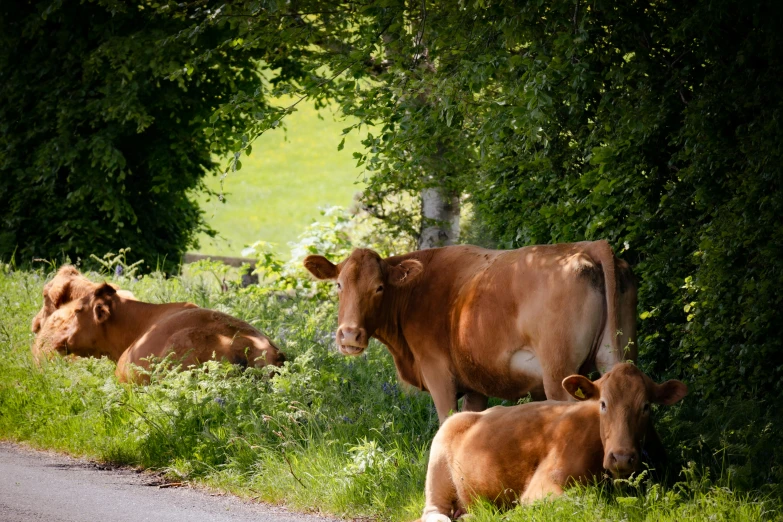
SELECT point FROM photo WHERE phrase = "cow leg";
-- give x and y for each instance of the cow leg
(553, 384)
(606, 358)
(554, 390)
(124, 370)
(474, 401)
(439, 491)
(540, 487)
(122, 373)
(541, 484)
(558, 361)
(443, 389)
(129, 366)
(445, 399)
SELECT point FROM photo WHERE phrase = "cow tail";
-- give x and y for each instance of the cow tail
(602, 252)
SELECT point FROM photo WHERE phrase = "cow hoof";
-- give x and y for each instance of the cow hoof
(436, 517)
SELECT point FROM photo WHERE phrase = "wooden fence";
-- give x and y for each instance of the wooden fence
(247, 278)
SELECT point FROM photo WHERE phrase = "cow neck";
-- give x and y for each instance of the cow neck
(395, 307)
(582, 447)
(391, 315)
(130, 320)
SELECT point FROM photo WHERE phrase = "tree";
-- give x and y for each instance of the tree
(372, 60)
(107, 127)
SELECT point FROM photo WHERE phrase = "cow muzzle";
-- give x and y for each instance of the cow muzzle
(621, 463)
(36, 326)
(44, 348)
(351, 340)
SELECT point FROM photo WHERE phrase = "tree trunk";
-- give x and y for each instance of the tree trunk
(439, 206)
(439, 218)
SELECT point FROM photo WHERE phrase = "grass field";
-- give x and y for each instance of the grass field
(290, 174)
(328, 433)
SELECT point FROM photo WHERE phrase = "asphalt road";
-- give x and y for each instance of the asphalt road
(43, 486)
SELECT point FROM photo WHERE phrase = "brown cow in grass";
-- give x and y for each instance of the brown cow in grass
(524, 453)
(68, 285)
(104, 323)
(466, 320)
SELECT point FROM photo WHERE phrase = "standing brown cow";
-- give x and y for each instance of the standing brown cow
(466, 320)
(524, 453)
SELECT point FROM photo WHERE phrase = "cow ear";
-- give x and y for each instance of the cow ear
(105, 291)
(405, 272)
(669, 392)
(580, 388)
(101, 308)
(321, 267)
(59, 293)
(58, 290)
(101, 311)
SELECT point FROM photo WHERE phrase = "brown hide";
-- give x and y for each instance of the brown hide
(466, 320)
(66, 286)
(524, 453)
(105, 323)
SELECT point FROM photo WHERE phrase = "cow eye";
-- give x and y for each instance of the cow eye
(339, 286)
(603, 406)
(379, 289)
(646, 407)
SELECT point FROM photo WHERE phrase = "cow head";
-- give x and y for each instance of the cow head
(624, 395)
(68, 285)
(58, 291)
(364, 280)
(77, 327)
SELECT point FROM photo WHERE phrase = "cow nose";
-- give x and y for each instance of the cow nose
(622, 461)
(352, 336)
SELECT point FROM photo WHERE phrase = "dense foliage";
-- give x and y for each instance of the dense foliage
(106, 127)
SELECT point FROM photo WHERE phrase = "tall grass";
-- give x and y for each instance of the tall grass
(327, 433)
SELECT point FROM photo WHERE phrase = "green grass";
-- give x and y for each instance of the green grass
(329, 433)
(642, 503)
(290, 174)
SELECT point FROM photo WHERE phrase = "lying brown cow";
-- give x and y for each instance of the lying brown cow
(462, 319)
(524, 453)
(130, 332)
(68, 285)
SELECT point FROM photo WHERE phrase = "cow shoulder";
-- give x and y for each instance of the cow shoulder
(576, 442)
